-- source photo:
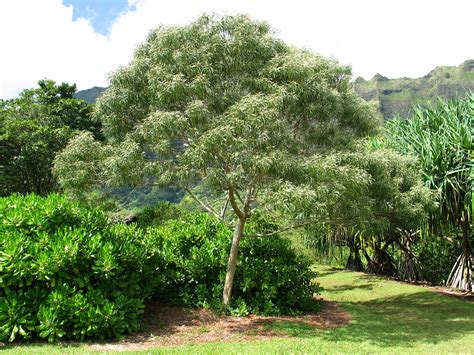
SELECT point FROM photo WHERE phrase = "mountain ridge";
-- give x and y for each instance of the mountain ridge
(396, 97)
(393, 97)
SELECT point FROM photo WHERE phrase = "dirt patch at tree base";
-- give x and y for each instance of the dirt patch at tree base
(452, 292)
(171, 325)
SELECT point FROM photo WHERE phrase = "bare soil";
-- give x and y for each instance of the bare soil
(172, 325)
(446, 291)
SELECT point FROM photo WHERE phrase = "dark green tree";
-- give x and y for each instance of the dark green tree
(33, 128)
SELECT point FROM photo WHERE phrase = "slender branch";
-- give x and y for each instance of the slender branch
(203, 205)
(234, 205)
(295, 226)
(224, 209)
(238, 196)
(248, 200)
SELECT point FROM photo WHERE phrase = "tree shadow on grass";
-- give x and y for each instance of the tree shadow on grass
(328, 271)
(292, 329)
(407, 319)
(344, 288)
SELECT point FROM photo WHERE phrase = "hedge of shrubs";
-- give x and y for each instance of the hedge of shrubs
(65, 273)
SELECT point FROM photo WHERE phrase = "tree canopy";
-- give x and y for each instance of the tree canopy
(225, 103)
(33, 128)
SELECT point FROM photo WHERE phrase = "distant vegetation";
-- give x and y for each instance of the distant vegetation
(90, 95)
(396, 97)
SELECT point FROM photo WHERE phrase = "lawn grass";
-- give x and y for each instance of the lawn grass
(388, 317)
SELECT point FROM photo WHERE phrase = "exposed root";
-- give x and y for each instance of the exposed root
(461, 274)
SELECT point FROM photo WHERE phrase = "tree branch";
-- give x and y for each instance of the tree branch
(202, 204)
(238, 196)
(234, 205)
(224, 209)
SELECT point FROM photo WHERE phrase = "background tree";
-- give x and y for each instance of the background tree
(225, 103)
(442, 139)
(399, 206)
(33, 128)
(388, 204)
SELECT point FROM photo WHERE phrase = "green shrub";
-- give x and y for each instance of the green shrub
(65, 273)
(437, 257)
(271, 278)
(159, 213)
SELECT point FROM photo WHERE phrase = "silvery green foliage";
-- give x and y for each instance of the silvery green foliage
(224, 102)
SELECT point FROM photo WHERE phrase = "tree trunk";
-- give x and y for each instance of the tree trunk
(461, 274)
(381, 263)
(232, 262)
(354, 261)
(409, 268)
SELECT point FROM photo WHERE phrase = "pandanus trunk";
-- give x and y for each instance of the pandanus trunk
(381, 263)
(461, 274)
(409, 268)
(232, 262)
(354, 261)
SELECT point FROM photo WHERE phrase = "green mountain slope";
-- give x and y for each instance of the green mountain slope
(396, 96)
(392, 96)
(89, 95)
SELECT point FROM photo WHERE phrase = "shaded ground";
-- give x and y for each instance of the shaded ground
(172, 325)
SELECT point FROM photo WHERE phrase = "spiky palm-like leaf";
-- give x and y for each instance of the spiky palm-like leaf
(441, 138)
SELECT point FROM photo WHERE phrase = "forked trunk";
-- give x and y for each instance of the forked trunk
(232, 262)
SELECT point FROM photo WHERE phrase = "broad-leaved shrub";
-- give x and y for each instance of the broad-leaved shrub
(65, 274)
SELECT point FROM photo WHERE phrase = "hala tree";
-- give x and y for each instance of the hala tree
(442, 139)
(221, 102)
(33, 128)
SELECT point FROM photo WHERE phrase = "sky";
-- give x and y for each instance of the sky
(84, 41)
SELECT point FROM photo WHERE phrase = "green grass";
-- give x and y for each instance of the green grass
(388, 317)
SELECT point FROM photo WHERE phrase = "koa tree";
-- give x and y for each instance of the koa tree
(221, 102)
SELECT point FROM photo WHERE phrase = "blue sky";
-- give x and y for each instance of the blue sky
(100, 13)
(83, 41)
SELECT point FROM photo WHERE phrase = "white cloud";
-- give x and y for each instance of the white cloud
(397, 38)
